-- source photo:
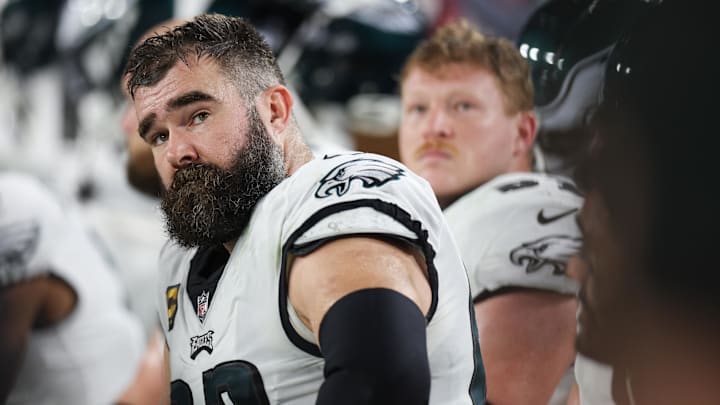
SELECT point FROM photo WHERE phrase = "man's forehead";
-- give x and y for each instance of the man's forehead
(457, 79)
(180, 78)
(448, 71)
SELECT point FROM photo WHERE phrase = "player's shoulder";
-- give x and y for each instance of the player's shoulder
(30, 219)
(518, 230)
(541, 184)
(341, 173)
(21, 187)
(529, 190)
(174, 259)
(353, 175)
(367, 193)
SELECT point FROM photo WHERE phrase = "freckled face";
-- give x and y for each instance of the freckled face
(455, 131)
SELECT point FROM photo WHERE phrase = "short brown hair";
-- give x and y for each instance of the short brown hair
(458, 42)
(232, 42)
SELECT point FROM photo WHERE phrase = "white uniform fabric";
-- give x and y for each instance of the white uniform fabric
(91, 356)
(594, 381)
(518, 230)
(251, 348)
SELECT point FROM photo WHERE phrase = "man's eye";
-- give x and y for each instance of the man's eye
(463, 106)
(158, 139)
(417, 109)
(199, 117)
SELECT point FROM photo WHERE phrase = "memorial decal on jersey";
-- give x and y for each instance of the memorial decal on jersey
(200, 343)
(203, 300)
(172, 298)
(365, 171)
(551, 251)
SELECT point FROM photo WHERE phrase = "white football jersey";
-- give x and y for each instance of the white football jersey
(518, 230)
(242, 341)
(91, 356)
(594, 381)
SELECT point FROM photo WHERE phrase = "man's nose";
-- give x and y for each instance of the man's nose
(439, 124)
(181, 151)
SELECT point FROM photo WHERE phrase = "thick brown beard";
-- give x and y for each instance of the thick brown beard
(207, 206)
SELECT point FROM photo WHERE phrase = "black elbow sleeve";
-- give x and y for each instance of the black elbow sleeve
(375, 351)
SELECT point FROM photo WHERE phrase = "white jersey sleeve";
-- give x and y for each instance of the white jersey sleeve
(30, 219)
(361, 194)
(518, 230)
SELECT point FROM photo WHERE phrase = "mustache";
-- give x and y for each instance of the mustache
(436, 145)
(196, 173)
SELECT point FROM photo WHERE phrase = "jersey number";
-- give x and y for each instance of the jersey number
(235, 382)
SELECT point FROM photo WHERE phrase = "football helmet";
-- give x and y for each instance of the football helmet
(567, 43)
(654, 150)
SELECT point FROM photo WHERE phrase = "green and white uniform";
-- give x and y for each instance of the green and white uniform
(240, 341)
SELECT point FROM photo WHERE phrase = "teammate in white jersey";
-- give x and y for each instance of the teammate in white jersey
(290, 279)
(66, 336)
(468, 127)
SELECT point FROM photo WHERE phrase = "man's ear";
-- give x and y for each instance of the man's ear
(279, 103)
(526, 133)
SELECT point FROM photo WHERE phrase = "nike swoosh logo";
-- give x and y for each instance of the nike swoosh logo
(543, 220)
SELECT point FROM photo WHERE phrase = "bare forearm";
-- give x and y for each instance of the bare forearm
(19, 306)
(12, 350)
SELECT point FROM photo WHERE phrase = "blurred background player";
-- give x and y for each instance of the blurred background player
(66, 336)
(468, 127)
(649, 302)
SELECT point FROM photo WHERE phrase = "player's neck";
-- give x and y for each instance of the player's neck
(297, 154)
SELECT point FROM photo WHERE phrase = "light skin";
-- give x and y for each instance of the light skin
(195, 114)
(456, 132)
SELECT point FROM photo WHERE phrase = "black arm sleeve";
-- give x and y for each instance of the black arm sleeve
(374, 346)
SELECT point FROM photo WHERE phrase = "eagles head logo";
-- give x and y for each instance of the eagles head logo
(368, 172)
(552, 251)
(18, 243)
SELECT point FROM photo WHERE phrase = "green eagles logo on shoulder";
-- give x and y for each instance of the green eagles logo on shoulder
(368, 172)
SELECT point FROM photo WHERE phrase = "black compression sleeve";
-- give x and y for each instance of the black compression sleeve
(374, 346)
